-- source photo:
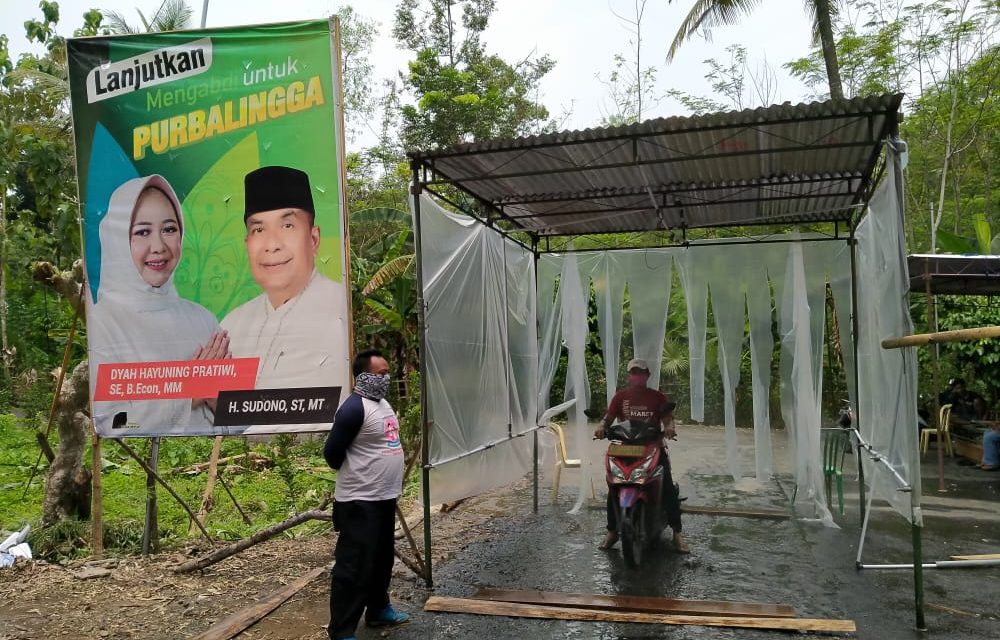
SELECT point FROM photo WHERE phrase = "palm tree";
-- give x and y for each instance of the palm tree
(706, 14)
(173, 15)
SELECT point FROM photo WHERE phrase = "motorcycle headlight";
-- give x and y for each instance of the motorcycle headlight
(638, 474)
(616, 472)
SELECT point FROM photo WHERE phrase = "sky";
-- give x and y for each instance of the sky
(582, 36)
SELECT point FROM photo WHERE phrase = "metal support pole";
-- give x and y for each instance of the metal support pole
(534, 471)
(939, 564)
(204, 13)
(932, 327)
(853, 243)
(534, 444)
(425, 476)
(918, 573)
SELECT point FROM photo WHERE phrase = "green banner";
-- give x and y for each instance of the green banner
(210, 172)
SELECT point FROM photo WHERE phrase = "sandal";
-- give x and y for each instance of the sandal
(609, 541)
(989, 467)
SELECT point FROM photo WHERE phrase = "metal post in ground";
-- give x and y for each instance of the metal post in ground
(425, 477)
(853, 244)
(918, 573)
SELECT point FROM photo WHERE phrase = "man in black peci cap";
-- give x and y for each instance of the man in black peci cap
(298, 325)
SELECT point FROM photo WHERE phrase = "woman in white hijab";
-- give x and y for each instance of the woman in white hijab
(138, 316)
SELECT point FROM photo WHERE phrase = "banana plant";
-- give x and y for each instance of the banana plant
(985, 243)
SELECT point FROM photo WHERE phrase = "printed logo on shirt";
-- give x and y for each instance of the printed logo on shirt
(636, 412)
(391, 429)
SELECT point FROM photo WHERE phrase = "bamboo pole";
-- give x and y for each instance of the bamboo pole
(958, 335)
(97, 503)
(409, 538)
(145, 467)
(213, 470)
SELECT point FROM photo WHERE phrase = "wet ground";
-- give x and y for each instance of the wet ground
(782, 561)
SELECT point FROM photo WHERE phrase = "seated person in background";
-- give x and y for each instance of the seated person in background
(991, 449)
(965, 405)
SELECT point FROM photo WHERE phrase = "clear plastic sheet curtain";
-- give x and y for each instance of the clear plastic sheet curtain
(479, 292)
(695, 284)
(759, 305)
(549, 312)
(522, 336)
(649, 275)
(726, 268)
(887, 378)
(800, 393)
(494, 342)
(609, 292)
(549, 326)
(574, 288)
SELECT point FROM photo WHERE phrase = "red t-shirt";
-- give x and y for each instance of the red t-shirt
(644, 405)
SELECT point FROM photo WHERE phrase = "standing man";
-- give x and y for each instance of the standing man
(298, 325)
(638, 402)
(364, 447)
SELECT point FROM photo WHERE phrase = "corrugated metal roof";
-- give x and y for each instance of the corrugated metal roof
(775, 165)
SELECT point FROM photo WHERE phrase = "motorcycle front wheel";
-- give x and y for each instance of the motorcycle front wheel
(633, 534)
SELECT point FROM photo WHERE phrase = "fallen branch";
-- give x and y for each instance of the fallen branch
(236, 504)
(255, 459)
(410, 564)
(448, 507)
(320, 513)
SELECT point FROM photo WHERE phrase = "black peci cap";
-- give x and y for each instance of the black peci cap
(276, 187)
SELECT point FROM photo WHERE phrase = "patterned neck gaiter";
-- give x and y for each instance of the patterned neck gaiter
(371, 386)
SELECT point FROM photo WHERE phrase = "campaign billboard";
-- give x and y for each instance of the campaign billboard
(210, 168)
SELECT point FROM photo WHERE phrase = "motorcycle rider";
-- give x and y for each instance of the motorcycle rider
(637, 401)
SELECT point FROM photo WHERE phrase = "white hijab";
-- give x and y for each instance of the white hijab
(133, 321)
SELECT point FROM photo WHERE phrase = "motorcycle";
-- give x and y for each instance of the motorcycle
(636, 484)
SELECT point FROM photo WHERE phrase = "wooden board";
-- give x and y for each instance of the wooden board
(513, 609)
(242, 620)
(981, 556)
(739, 513)
(639, 604)
(968, 449)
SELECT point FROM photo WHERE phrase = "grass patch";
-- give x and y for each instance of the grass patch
(296, 480)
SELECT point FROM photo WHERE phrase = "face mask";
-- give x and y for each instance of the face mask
(638, 379)
(371, 386)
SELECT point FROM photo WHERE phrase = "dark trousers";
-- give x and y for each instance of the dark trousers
(362, 563)
(671, 499)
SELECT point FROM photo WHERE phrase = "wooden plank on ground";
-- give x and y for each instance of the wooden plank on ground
(639, 604)
(739, 513)
(514, 609)
(981, 556)
(244, 619)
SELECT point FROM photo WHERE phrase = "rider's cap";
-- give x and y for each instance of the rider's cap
(638, 363)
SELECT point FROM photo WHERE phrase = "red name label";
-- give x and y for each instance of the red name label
(173, 379)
